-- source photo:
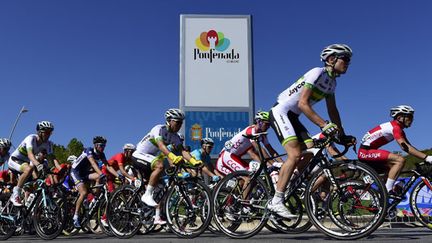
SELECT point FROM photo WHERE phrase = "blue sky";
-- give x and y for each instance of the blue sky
(112, 67)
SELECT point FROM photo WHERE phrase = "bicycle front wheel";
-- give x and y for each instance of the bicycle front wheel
(346, 202)
(240, 205)
(421, 202)
(47, 218)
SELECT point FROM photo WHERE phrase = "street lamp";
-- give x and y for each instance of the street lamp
(23, 110)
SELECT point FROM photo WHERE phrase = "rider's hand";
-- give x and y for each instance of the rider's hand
(330, 129)
(174, 158)
(429, 159)
(195, 162)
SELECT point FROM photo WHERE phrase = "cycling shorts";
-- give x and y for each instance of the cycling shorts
(17, 165)
(80, 176)
(228, 162)
(287, 126)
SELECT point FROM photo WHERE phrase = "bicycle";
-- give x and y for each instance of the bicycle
(240, 202)
(421, 197)
(186, 202)
(44, 208)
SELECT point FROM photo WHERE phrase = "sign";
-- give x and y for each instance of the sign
(219, 126)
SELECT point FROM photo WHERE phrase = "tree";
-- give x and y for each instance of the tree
(75, 147)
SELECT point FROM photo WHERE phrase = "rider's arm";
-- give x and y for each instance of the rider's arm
(306, 108)
(334, 112)
(408, 148)
(124, 173)
(111, 170)
(163, 148)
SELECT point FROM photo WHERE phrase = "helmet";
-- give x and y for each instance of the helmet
(129, 146)
(337, 50)
(5, 143)
(262, 115)
(44, 125)
(99, 139)
(174, 114)
(401, 109)
(71, 158)
(208, 141)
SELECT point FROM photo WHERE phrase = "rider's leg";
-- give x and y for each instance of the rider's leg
(16, 193)
(82, 190)
(396, 163)
(147, 198)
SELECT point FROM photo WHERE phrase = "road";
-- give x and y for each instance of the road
(406, 234)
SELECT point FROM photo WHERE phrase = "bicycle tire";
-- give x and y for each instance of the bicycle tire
(355, 211)
(420, 202)
(47, 219)
(184, 221)
(123, 219)
(7, 224)
(236, 217)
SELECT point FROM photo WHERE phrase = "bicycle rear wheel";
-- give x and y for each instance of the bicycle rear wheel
(421, 202)
(353, 210)
(236, 214)
(7, 221)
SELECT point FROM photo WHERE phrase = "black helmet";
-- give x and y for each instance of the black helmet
(99, 139)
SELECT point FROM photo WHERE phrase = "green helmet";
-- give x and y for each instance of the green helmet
(262, 115)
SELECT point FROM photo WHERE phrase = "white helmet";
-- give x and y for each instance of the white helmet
(208, 141)
(44, 125)
(129, 146)
(5, 143)
(401, 109)
(337, 50)
(71, 158)
(174, 114)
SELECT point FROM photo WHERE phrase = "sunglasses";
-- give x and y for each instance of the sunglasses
(102, 145)
(346, 59)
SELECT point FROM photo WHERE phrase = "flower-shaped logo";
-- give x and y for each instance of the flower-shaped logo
(212, 40)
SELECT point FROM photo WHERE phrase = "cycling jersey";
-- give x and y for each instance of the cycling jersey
(230, 158)
(148, 144)
(378, 137)
(3, 160)
(284, 115)
(117, 160)
(199, 155)
(82, 163)
(30, 143)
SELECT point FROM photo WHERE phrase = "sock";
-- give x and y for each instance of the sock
(75, 217)
(389, 184)
(278, 197)
(157, 213)
(149, 190)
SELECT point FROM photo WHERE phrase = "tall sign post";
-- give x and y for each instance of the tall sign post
(216, 77)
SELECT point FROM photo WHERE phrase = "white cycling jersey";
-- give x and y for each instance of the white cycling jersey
(148, 144)
(30, 143)
(317, 79)
(240, 145)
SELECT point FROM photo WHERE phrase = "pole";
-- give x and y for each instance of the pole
(23, 110)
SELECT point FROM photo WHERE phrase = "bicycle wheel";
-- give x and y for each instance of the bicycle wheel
(236, 214)
(47, 218)
(297, 225)
(123, 213)
(421, 202)
(103, 207)
(7, 221)
(352, 211)
(189, 214)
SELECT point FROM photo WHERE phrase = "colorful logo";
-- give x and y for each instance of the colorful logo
(196, 132)
(212, 40)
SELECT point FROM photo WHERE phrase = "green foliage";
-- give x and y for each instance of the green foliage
(75, 147)
(411, 160)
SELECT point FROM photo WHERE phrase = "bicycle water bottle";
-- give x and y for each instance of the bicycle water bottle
(30, 199)
(274, 176)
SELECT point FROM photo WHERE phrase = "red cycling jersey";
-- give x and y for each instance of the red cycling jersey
(377, 137)
(117, 160)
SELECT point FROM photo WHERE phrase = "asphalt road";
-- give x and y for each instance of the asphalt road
(406, 234)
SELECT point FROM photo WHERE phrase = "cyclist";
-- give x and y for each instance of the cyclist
(85, 169)
(5, 145)
(115, 169)
(230, 157)
(383, 160)
(203, 154)
(153, 148)
(23, 159)
(315, 85)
